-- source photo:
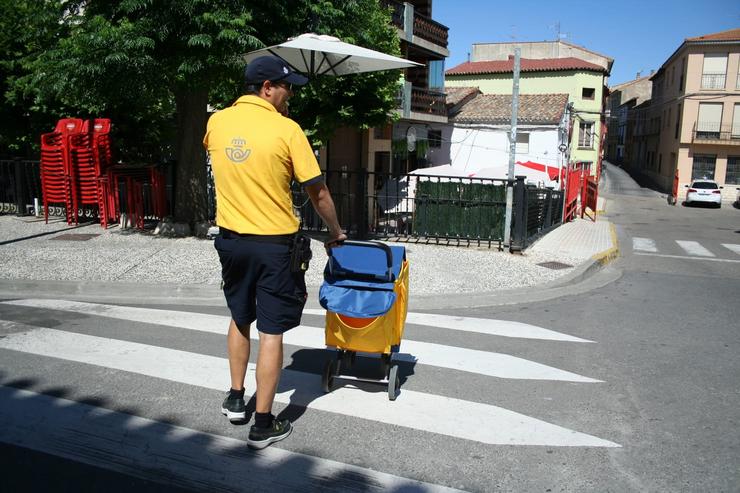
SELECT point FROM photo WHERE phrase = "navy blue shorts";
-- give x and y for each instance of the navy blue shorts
(259, 285)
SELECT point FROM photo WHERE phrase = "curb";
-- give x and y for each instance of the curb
(605, 257)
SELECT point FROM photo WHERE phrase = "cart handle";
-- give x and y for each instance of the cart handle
(370, 244)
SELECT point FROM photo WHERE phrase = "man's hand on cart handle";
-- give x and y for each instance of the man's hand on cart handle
(335, 239)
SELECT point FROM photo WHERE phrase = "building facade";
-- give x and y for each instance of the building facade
(479, 136)
(538, 50)
(582, 81)
(621, 103)
(692, 124)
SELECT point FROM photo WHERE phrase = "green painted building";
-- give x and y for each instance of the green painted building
(583, 81)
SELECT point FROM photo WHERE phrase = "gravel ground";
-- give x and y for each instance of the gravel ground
(29, 250)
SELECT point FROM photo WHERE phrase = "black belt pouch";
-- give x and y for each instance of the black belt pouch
(300, 253)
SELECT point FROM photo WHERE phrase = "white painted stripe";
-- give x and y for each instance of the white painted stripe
(690, 258)
(174, 455)
(484, 363)
(455, 358)
(504, 328)
(415, 410)
(694, 248)
(732, 247)
(644, 244)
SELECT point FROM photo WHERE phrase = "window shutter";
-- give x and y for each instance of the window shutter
(710, 117)
(715, 64)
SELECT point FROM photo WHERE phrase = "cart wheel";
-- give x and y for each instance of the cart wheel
(394, 383)
(348, 359)
(385, 364)
(327, 377)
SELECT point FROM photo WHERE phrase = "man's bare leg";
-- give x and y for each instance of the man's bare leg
(269, 366)
(237, 342)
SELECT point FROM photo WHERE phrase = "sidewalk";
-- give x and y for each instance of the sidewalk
(115, 265)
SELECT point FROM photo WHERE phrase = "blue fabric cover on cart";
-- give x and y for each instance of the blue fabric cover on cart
(361, 298)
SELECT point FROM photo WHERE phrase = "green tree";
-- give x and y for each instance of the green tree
(25, 27)
(154, 65)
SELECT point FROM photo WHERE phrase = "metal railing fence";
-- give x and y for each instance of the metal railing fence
(20, 184)
(536, 211)
(432, 209)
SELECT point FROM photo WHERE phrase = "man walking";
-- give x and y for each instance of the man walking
(255, 153)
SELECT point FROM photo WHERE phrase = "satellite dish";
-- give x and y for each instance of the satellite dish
(411, 139)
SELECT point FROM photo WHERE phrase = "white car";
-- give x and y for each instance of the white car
(706, 191)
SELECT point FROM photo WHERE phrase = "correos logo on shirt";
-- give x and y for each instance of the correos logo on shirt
(237, 152)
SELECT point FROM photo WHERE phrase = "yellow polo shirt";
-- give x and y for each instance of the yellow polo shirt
(255, 153)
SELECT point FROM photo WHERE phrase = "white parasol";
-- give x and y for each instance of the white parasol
(315, 54)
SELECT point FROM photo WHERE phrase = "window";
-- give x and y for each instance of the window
(709, 120)
(586, 135)
(715, 69)
(732, 177)
(736, 122)
(383, 133)
(703, 167)
(683, 68)
(437, 75)
(704, 185)
(588, 93)
(678, 121)
(522, 143)
(435, 139)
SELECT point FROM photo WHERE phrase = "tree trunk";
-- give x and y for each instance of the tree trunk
(191, 194)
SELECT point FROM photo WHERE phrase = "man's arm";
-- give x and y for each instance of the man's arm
(324, 205)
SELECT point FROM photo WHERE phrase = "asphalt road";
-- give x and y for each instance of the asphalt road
(632, 386)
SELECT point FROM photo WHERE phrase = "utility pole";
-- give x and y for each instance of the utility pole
(512, 149)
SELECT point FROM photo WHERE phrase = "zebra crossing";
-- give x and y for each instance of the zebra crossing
(415, 410)
(687, 249)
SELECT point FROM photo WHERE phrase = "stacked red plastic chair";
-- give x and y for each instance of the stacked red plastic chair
(91, 160)
(77, 170)
(57, 175)
(144, 192)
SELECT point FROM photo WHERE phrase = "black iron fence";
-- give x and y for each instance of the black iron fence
(434, 209)
(20, 184)
(535, 212)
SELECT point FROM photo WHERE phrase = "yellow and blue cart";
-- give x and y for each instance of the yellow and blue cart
(365, 294)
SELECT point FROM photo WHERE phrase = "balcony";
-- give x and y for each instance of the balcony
(715, 133)
(417, 103)
(713, 80)
(423, 27)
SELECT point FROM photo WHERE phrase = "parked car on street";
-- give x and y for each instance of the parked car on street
(704, 191)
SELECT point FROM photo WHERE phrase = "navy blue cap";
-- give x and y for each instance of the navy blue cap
(273, 69)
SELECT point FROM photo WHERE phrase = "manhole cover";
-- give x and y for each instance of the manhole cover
(555, 265)
(75, 237)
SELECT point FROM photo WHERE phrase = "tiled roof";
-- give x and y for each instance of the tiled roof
(729, 35)
(526, 65)
(455, 95)
(496, 108)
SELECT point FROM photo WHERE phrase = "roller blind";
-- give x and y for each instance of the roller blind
(710, 117)
(736, 122)
(715, 64)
